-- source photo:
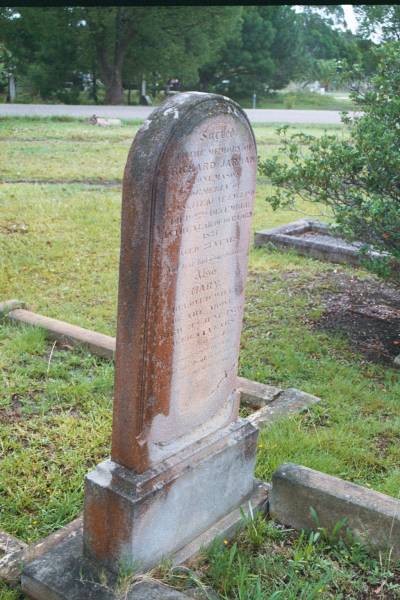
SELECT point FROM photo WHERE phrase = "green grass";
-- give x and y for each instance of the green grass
(59, 247)
(55, 408)
(270, 562)
(302, 101)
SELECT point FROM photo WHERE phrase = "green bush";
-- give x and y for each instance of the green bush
(357, 177)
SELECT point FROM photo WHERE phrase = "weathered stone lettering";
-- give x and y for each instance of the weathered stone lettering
(196, 246)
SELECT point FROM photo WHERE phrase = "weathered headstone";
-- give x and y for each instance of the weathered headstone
(181, 458)
(188, 199)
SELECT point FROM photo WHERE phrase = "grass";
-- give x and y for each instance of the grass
(55, 410)
(301, 100)
(269, 562)
(59, 246)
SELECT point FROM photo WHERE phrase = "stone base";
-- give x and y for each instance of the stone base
(136, 520)
(63, 573)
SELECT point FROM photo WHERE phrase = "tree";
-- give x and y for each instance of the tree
(45, 48)
(56, 48)
(383, 19)
(166, 39)
(322, 44)
(358, 178)
(259, 55)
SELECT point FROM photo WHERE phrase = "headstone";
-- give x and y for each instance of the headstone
(188, 199)
(180, 458)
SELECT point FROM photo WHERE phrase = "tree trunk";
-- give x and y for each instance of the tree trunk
(111, 63)
(94, 85)
(114, 89)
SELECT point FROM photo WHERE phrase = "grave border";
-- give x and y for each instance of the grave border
(339, 251)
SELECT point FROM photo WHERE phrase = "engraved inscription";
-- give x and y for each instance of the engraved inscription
(212, 232)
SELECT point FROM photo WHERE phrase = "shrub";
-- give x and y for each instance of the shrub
(357, 178)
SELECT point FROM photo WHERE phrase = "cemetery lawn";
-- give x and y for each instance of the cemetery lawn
(302, 100)
(59, 245)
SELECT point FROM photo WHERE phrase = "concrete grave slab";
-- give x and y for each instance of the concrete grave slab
(373, 517)
(312, 238)
(18, 553)
(97, 343)
(67, 575)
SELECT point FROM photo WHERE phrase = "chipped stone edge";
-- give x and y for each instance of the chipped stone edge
(11, 563)
(289, 402)
(10, 305)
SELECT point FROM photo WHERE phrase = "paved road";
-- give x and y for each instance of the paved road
(258, 115)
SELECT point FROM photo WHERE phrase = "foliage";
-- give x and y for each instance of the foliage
(44, 45)
(381, 20)
(357, 178)
(322, 45)
(275, 45)
(62, 48)
(69, 53)
(260, 56)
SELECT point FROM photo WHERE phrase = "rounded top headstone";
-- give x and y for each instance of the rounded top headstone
(188, 197)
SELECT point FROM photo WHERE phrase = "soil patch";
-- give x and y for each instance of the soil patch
(366, 310)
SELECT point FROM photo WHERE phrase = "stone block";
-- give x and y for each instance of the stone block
(373, 517)
(141, 518)
(64, 574)
(288, 402)
(256, 394)
(228, 526)
(97, 343)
